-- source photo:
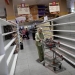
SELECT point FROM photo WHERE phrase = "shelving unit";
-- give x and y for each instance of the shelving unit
(9, 44)
(63, 30)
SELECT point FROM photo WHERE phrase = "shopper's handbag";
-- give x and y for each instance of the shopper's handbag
(21, 45)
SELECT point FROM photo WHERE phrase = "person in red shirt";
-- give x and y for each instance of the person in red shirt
(23, 33)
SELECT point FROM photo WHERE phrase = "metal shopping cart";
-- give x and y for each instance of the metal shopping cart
(55, 60)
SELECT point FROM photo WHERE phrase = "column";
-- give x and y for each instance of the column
(10, 10)
(63, 7)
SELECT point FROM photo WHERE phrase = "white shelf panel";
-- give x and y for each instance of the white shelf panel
(68, 23)
(8, 43)
(70, 60)
(61, 17)
(13, 65)
(1, 57)
(65, 44)
(4, 22)
(47, 26)
(63, 31)
(8, 33)
(10, 56)
(47, 30)
(66, 52)
(71, 39)
(67, 58)
(60, 24)
(47, 35)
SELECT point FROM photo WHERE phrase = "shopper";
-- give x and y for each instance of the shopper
(27, 33)
(39, 38)
(34, 32)
(23, 33)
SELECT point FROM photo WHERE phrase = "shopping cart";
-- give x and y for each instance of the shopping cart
(56, 58)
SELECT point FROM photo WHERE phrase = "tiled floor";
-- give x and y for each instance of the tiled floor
(27, 64)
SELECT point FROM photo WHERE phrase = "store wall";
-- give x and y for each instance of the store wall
(63, 7)
(72, 5)
(2, 11)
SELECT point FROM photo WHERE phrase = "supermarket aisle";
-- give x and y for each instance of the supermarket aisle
(27, 64)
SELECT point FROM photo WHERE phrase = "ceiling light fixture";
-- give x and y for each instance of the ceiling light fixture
(23, 0)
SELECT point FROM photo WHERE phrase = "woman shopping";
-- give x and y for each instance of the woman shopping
(39, 38)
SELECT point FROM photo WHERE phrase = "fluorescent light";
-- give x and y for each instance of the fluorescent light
(23, 0)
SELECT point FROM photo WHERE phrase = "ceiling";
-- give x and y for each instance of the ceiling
(33, 2)
(30, 2)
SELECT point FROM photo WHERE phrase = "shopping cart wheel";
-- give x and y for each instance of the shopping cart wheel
(59, 66)
(54, 68)
(43, 63)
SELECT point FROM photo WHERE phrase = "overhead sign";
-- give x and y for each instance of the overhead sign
(23, 9)
(54, 7)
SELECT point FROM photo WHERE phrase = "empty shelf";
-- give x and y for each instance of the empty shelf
(67, 57)
(60, 24)
(8, 43)
(63, 30)
(64, 23)
(8, 33)
(71, 39)
(66, 52)
(10, 56)
(65, 44)
(4, 22)
(1, 57)
(62, 17)
(13, 65)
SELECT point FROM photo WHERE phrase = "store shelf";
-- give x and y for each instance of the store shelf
(8, 33)
(66, 55)
(10, 56)
(7, 58)
(47, 35)
(13, 65)
(66, 52)
(8, 43)
(69, 23)
(46, 30)
(66, 58)
(72, 47)
(1, 57)
(47, 26)
(63, 31)
(71, 39)
(4, 22)
(62, 17)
